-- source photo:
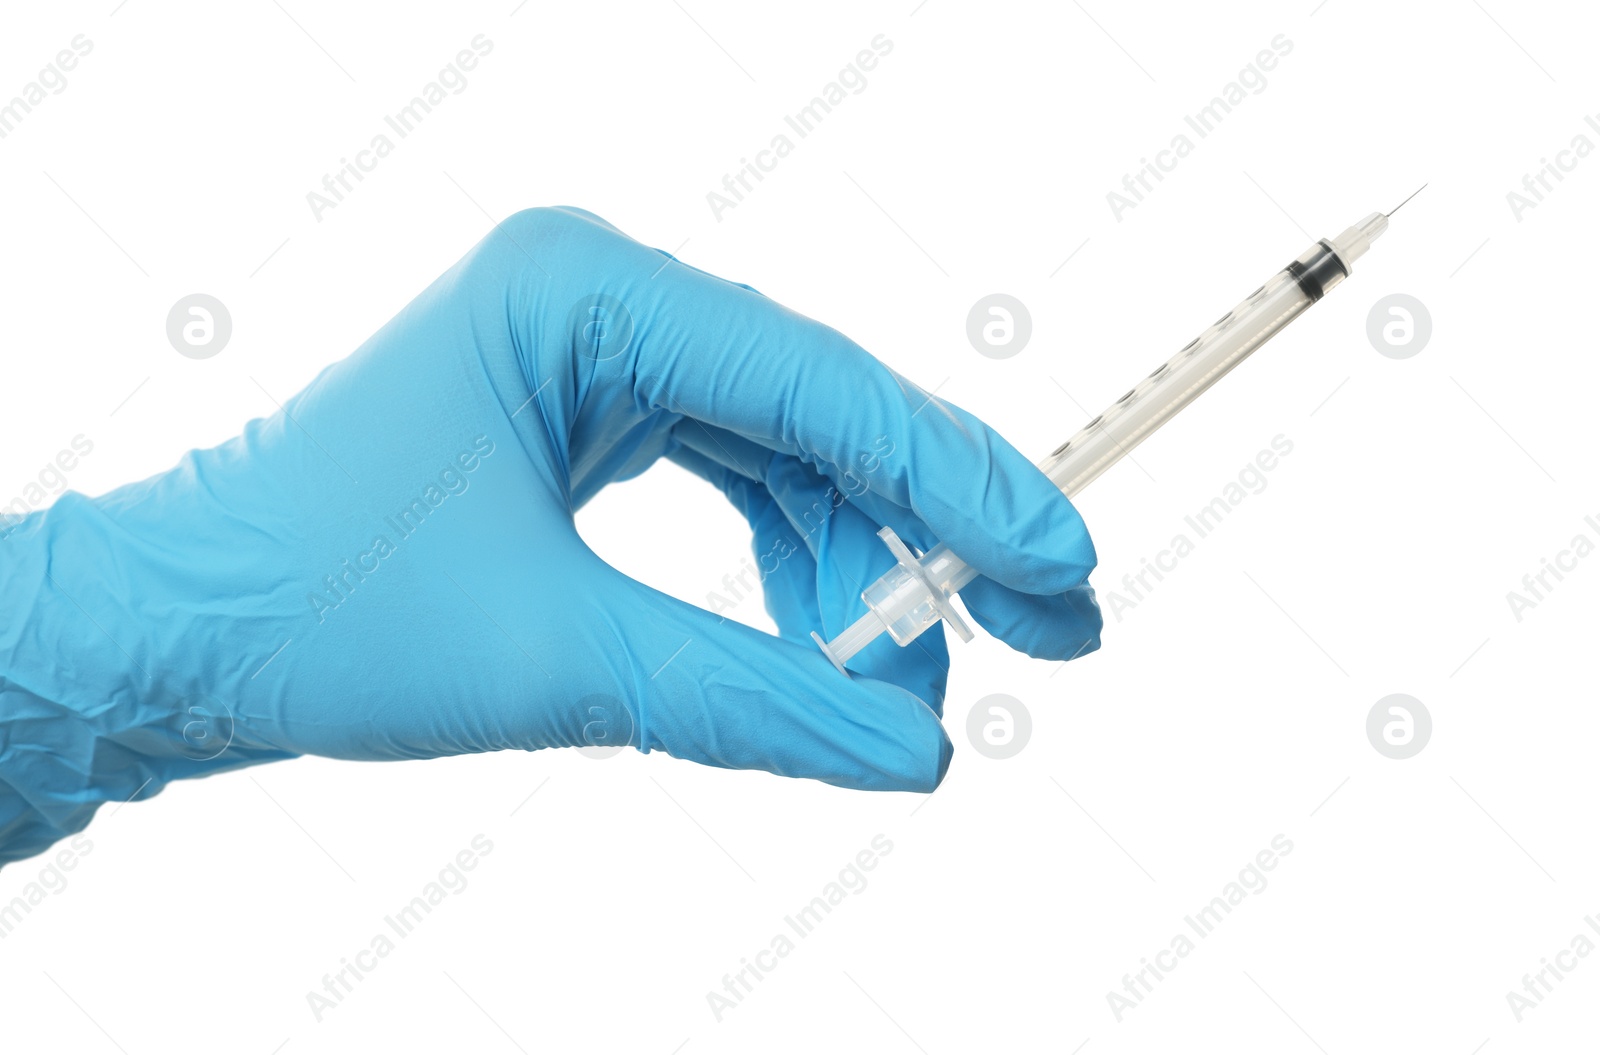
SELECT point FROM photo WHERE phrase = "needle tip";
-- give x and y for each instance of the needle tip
(1413, 194)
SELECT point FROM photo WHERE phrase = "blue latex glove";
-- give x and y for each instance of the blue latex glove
(388, 568)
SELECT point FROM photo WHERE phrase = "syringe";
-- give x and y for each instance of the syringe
(916, 594)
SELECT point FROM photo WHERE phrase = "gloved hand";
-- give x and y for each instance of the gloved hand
(388, 568)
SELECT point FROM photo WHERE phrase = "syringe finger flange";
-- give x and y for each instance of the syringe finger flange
(906, 621)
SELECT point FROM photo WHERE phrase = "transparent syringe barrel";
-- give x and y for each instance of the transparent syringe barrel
(901, 603)
(1175, 383)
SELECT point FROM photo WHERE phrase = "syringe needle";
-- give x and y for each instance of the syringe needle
(1413, 194)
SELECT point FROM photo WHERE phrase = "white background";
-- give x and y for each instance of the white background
(1227, 707)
